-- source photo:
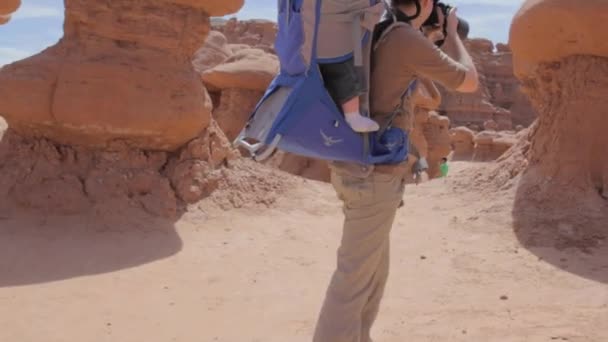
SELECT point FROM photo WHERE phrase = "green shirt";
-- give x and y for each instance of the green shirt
(444, 168)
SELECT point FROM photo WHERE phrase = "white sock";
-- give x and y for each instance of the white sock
(360, 123)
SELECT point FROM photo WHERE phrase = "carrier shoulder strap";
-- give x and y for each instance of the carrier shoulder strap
(382, 37)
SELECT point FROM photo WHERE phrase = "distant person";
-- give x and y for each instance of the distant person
(444, 168)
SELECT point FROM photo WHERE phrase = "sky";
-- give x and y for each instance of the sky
(39, 23)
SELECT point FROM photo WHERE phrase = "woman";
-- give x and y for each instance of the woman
(371, 198)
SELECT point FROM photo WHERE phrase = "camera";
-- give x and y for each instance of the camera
(433, 20)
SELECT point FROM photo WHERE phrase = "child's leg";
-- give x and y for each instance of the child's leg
(358, 122)
(344, 87)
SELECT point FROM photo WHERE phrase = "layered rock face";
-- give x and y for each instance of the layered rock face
(253, 33)
(122, 72)
(498, 99)
(7, 8)
(490, 145)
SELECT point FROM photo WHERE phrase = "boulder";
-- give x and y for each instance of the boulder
(463, 143)
(251, 69)
(214, 52)
(255, 32)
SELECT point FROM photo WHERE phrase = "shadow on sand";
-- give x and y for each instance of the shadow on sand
(566, 230)
(36, 249)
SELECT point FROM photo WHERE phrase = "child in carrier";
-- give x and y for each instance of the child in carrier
(343, 80)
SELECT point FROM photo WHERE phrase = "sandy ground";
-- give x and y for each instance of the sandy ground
(458, 273)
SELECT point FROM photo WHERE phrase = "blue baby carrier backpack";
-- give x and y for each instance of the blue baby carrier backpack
(296, 114)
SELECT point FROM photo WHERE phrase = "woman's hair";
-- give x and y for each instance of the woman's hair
(393, 13)
(394, 4)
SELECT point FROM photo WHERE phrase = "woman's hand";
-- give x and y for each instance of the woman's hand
(452, 22)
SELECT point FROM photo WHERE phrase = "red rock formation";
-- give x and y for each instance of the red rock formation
(429, 133)
(92, 119)
(562, 60)
(121, 72)
(490, 145)
(417, 136)
(247, 69)
(215, 51)
(436, 132)
(490, 125)
(463, 143)
(237, 85)
(499, 97)
(254, 33)
(7, 8)
(559, 168)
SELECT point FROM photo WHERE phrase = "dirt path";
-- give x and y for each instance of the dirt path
(459, 273)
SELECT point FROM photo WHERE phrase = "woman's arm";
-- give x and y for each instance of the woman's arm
(454, 47)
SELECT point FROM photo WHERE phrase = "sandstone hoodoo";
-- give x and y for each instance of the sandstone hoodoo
(115, 114)
(122, 71)
(562, 60)
(7, 8)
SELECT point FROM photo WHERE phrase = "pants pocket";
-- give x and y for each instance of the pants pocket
(353, 191)
(388, 187)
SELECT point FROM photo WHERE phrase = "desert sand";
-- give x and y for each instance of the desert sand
(126, 215)
(459, 273)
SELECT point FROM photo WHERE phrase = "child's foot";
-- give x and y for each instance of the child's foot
(360, 123)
